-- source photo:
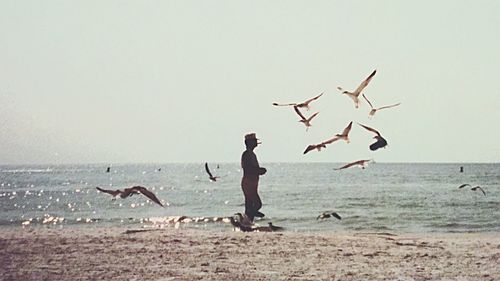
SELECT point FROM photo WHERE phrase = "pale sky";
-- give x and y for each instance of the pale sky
(183, 81)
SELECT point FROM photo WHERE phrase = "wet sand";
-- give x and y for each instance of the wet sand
(192, 254)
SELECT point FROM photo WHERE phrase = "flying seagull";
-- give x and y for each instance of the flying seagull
(306, 121)
(300, 105)
(360, 163)
(210, 176)
(478, 188)
(355, 95)
(328, 214)
(380, 143)
(374, 110)
(343, 136)
(464, 185)
(127, 192)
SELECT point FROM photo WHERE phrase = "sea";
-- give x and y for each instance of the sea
(384, 197)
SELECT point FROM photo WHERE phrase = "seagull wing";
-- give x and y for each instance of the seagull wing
(347, 129)
(336, 215)
(478, 187)
(335, 138)
(310, 100)
(312, 116)
(208, 170)
(284, 104)
(364, 83)
(368, 101)
(309, 148)
(148, 194)
(464, 185)
(112, 192)
(299, 113)
(388, 106)
(370, 129)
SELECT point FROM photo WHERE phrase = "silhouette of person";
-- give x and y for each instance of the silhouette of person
(108, 169)
(250, 180)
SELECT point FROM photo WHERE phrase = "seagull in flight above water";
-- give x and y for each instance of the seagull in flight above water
(374, 110)
(127, 192)
(329, 214)
(343, 136)
(355, 95)
(300, 105)
(360, 163)
(306, 121)
(210, 176)
(380, 143)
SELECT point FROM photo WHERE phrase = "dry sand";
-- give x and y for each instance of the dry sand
(191, 254)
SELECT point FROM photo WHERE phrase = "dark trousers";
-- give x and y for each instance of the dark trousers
(252, 198)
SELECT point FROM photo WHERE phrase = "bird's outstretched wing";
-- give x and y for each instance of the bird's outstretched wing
(112, 192)
(478, 187)
(388, 106)
(208, 170)
(347, 129)
(368, 101)
(284, 104)
(310, 100)
(148, 194)
(299, 113)
(370, 129)
(309, 148)
(364, 83)
(464, 185)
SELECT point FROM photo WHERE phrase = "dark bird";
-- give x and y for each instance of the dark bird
(300, 105)
(210, 176)
(355, 95)
(127, 192)
(478, 188)
(306, 121)
(464, 185)
(360, 163)
(380, 143)
(238, 225)
(374, 110)
(328, 214)
(343, 136)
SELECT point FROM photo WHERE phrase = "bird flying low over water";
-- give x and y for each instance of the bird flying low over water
(300, 105)
(360, 163)
(374, 110)
(464, 185)
(329, 214)
(306, 121)
(355, 95)
(478, 188)
(127, 192)
(380, 143)
(210, 176)
(343, 136)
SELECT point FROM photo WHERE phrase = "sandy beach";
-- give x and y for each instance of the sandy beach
(192, 254)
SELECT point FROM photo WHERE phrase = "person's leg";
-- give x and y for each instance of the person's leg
(246, 187)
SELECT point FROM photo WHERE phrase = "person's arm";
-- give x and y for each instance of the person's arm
(250, 165)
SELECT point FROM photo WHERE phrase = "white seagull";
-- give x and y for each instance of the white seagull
(303, 119)
(355, 95)
(374, 110)
(360, 163)
(343, 136)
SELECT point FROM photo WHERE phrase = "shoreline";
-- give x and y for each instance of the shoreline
(99, 253)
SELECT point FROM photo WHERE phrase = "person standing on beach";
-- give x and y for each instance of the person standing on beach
(250, 180)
